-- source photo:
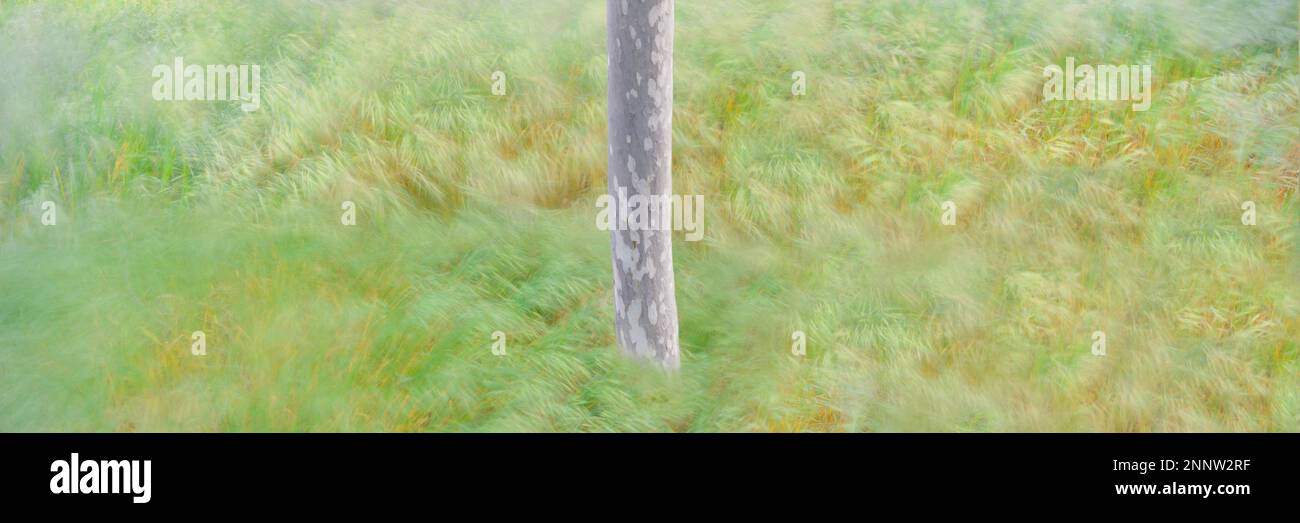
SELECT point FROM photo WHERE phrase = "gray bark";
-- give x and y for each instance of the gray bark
(640, 44)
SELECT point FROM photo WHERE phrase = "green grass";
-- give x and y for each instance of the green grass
(476, 214)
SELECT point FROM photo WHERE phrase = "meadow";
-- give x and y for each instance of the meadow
(475, 214)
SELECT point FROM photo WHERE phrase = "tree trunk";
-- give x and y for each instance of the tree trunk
(640, 94)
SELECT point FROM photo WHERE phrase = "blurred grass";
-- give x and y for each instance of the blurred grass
(476, 215)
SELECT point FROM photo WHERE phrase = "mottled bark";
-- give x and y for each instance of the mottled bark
(640, 93)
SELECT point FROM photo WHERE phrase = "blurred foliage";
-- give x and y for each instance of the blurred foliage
(476, 214)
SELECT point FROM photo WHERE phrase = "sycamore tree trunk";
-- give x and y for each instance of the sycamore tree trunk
(640, 42)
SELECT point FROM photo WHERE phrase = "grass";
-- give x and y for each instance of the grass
(475, 215)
